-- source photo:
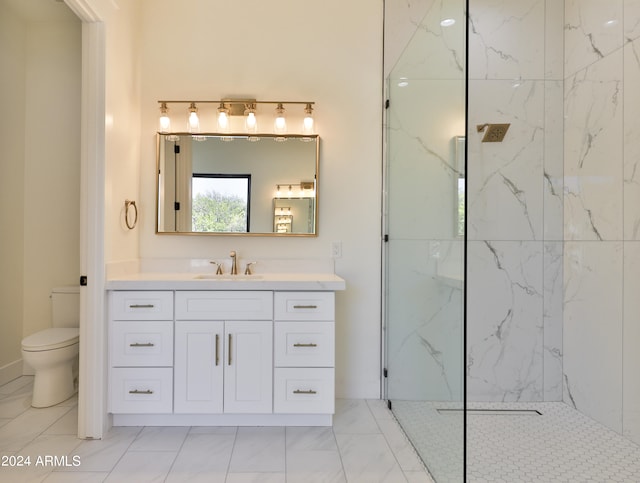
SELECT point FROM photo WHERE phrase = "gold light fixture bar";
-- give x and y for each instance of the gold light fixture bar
(237, 106)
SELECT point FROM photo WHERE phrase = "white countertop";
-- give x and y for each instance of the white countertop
(194, 281)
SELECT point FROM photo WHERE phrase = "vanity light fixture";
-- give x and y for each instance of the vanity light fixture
(193, 119)
(304, 189)
(165, 120)
(283, 211)
(248, 108)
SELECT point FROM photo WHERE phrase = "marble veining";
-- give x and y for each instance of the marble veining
(434, 51)
(505, 338)
(593, 315)
(594, 152)
(631, 141)
(552, 319)
(424, 344)
(593, 30)
(507, 182)
(493, 53)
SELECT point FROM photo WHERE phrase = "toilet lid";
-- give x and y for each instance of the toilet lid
(49, 339)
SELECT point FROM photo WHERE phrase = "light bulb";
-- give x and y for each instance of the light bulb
(165, 121)
(250, 120)
(280, 125)
(290, 192)
(223, 118)
(278, 192)
(307, 122)
(194, 120)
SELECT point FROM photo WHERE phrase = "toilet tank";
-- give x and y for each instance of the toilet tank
(65, 306)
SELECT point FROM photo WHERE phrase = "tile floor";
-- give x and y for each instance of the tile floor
(365, 445)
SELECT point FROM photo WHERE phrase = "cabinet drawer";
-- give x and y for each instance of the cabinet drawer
(144, 391)
(141, 343)
(224, 305)
(304, 306)
(303, 391)
(304, 344)
(152, 305)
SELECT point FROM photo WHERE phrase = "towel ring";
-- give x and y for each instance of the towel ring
(127, 205)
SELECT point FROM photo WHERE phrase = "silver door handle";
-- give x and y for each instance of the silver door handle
(310, 391)
(136, 391)
(311, 344)
(217, 348)
(138, 344)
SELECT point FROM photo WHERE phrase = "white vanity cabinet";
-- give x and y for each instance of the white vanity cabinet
(141, 352)
(223, 352)
(304, 356)
(199, 369)
(221, 357)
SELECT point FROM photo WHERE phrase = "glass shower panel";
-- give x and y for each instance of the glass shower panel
(424, 255)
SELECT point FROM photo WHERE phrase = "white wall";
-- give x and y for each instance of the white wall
(12, 130)
(52, 164)
(328, 52)
(40, 50)
(122, 124)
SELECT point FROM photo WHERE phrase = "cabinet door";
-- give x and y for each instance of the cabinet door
(248, 373)
(198, 367)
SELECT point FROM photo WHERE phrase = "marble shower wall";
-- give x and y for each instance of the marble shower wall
(602, 212)
(425, 66)
(515, 202)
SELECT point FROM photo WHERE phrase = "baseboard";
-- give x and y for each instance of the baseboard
(10, 371)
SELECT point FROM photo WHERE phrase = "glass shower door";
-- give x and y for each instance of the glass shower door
(424, 252)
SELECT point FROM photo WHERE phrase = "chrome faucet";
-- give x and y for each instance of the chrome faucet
(234, 262)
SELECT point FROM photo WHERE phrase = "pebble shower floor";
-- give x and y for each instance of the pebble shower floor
(558, 445)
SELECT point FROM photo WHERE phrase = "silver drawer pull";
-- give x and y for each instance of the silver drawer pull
(135, 391)
(141, 306)
(310, 391)
(138, 344)
(298, 344)
(305, 306)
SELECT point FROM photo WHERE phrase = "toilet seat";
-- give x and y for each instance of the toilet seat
(50, 339)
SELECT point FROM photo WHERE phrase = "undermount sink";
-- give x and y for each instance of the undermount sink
(227, 276)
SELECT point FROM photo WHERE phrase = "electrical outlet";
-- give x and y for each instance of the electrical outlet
(336, 249)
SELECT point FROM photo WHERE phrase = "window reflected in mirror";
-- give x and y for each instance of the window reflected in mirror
(220, 202)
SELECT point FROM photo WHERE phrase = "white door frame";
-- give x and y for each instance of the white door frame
(92, 420)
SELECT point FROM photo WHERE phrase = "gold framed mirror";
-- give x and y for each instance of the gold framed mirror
(214, 184)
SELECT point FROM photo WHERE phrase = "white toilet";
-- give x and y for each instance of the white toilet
(53, 353)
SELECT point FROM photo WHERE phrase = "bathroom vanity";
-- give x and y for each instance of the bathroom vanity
(201, 349)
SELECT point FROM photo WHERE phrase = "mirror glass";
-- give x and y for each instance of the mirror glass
(237, 185)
